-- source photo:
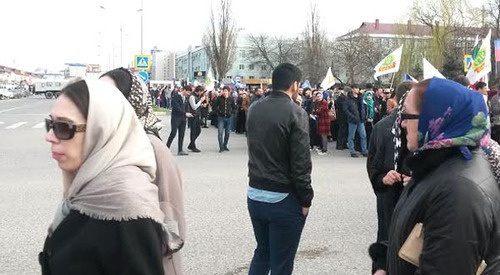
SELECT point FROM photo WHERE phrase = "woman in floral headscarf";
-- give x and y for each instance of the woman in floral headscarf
(453, 191)
(168, 178)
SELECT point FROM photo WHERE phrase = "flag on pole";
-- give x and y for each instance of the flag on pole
(209, 81)
(329, 80)
(481, 64)
(430, 71)
(408, 77)
(390, 64)
(306, 84)
(497, 50)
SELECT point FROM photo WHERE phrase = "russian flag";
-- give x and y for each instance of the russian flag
(497, 50)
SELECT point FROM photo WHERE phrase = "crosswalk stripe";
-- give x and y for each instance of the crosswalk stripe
(39, 125)
(16, 125)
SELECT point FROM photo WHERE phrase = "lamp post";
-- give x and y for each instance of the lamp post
(142, 24)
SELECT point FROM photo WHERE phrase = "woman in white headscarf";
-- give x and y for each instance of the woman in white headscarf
(109, 221)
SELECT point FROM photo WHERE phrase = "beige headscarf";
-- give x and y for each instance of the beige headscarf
(115, 179)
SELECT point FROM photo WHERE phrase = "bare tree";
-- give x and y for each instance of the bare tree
(451, 23)
(358, 55)
(315, 53)
(220, 39)
(273, 51)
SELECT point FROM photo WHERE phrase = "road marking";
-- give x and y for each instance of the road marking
(16, 125)
(19, 107)
(39, 125)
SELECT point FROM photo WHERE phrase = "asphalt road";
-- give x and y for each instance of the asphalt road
(341, 224)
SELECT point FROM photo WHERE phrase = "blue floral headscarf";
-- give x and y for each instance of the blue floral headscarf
(452, 116)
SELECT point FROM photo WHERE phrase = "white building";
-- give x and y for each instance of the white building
(163, 65)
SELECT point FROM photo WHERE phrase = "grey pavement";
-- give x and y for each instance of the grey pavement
(340, 227)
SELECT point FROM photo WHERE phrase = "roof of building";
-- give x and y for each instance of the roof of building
(390, 29)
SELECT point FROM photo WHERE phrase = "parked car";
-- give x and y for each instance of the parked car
(6, 93)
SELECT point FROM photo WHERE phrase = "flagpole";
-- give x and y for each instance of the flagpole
(392, 81)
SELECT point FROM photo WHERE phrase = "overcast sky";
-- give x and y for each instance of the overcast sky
(49, 33)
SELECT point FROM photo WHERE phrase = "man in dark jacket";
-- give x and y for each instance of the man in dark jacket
(178, 117)
(224, 106)
(387, 183)
(355, 113)
(279, 168)
(341, 120)
(196, 102)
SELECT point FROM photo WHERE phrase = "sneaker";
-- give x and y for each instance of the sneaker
(322, 153)
(354, 155)
(182, 153)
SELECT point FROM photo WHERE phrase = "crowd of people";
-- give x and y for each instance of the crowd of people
(433, 166)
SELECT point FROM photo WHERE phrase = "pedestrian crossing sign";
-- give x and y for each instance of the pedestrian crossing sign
(142, 62)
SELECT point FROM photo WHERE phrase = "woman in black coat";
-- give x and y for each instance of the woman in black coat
(109, 221)
(454, 192)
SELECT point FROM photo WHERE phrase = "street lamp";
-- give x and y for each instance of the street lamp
(142, 23)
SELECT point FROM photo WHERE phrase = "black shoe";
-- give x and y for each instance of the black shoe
(195, 150)
(226, 149)
(365, 155)
(182, 153)
(354, 155)
(221, 151)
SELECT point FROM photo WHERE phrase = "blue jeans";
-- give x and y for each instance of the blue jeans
(223, 133)
(277, 228)
(233, 123)
(360, 127)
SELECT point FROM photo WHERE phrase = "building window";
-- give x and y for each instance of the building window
(229, 77)
(243, 54)
(251, 77)
(242, 67)
(251, 67)
(263, 67)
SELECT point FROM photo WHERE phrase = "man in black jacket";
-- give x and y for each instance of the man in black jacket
(224, 106)
(178, 117)
(341, 120)
(386, 182)
(196, 102)
(355, 113)
(279, 170)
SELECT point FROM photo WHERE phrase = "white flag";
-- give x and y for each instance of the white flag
(430, 71)
(390, 64)
(209, 81)
(481, 65)
(329, 80)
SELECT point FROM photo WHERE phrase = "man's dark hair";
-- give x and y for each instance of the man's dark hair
(354, 86)
(226, 88)
(464, 81)
(188, 88)
(284, 75)
(122, 79)
(78, 93)
(480, 85)
(198, 88)
(402, 88)
(369, 86)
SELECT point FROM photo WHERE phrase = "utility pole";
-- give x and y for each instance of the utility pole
(142, 24)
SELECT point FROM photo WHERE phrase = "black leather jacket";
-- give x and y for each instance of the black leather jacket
(458, 202)
(278, 147)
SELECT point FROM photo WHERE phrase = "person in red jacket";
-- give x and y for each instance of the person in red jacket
(321, 112)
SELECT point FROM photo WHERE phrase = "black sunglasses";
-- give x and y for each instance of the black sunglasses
(405, 116)
(64, 130)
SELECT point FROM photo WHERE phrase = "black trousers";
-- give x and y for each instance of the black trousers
(342, 135)
(195, 123)
(178, 124)
(240, 122)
